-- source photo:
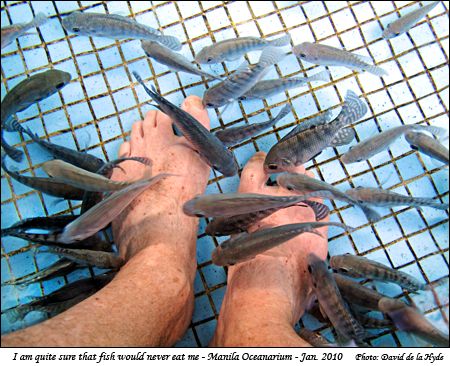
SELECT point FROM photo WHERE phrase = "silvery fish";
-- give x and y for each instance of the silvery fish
(228, 225)
(244, 246)
(304, 184)
(408, 319)
(381, 141)
(14, 31)
(208, 146)
(175, 61)
(238, 83)
(60, 268)
(306, 144)
(88, 257)
(314, 339)
(321, 54)
(331, 302)
(406, 22)
(427, 145)
(106, 211)
(232, 204)
(234, 135)
(356, 266)
(267, 88)
(115, 27)
(232, 49)
(383, 198)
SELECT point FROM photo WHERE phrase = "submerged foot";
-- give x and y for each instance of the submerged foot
(268, 294)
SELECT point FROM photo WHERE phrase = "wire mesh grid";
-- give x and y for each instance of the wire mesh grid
(95, 112)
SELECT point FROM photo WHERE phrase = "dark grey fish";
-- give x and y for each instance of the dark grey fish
(234, 135)
(407, 21)
(14, 31)
(321, 54)
(244, 247)
(267, 88)
(232, 49)
(356, 266)
(331, 301)
(381, 141)
(60, 268)
(314, 339)
(241, 81)
(307, 144)
(428, 145)
(89, 257)
(115, 27)
(409, 319)
(209, 147)
(385, 198)
(175, 61)
(232, 204)
(373, 323)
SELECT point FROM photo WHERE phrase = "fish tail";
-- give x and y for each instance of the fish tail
(434, 130)
(170, 41)
(16, 126)
(352, 110)
(18, 313)
(282, 41)
(320, 76)
(271, 56)
(376, 70)
(283, 113)
(343, 137)
(371, 214)
(12, 152)
(39, 19)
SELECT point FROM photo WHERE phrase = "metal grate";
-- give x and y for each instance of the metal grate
(95, 112)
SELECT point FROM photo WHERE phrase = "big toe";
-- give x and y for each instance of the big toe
(194, 106)
(253, 176)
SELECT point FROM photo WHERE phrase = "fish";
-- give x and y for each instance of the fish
(12, 152)
(89, 257)
(373, 323)
(381, 141)
(233, 49)
(321, 54)
(244, 247)
(228, 225)
(408, 319)
(59, 268)
(209, 147)
(115, 27)
(234, 135)
(407, 21)
(267, 88)
(384, 198)
(61, 299)
(428, 145)
(238, 83)
(231, 204)
(14, 31)
(175, 61)
(331, 301)
(314, 339)
(356, 266)
(305, 145)
(106, 211)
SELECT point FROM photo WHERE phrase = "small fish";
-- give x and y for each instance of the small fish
(233, 49)
(383, 198)
(409, 319)
(106, 211)
(60, 268)
(231, 136)
(89, 257)
(244, 247)
(228, 225)
(241, 81)
(373, 323)
(314, 339)
(14, 31)
(356, 266)
(208, 146)
(303, 146)
(331, 301)
(381, 141)
(407, 21)
(321, 54)
(267, 88)
(175, 61)
(61, 299)
(232, 204)
(115, 27)
(427, 145)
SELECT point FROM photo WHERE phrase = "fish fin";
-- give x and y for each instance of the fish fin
(376, 70)
(371, 214)
(16, 126)
(353, 109)
(320, 76)
(242, 67)
(434, 130)
(320, 210)
(282, 113)
(12, 152)
(280, 42)
(15, 314)
(8, 125)
(228, 105)
(171, 42)
(271, 56)
(40, 19)
(343, 137)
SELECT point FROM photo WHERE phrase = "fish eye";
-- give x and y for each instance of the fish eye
(209, 105)
(209, 59)
(289, 187)
(215, 167)
(75, 29)
(397, 34)
(199, 215)
(343, 270)
(309, 269)
(302, 55)
(60, 85)
(273, 166)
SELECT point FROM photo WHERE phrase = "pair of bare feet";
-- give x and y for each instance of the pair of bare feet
(150, 301)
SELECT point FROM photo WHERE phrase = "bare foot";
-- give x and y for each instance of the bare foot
(267, 295)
